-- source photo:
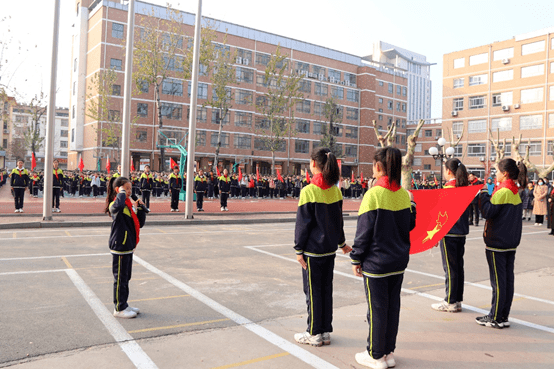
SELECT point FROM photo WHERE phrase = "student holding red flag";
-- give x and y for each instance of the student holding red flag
(57, 186)
(380, 254)
(502, 235)
(453, 244)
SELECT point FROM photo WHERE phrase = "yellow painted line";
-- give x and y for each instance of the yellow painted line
(67, 262)
(14, 235)
(253, 361)
(161, 230)
(178, 326)
(97, 267)
(67, 233)
(429, 285)
(153, 298)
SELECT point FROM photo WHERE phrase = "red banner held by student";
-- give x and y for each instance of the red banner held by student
(218, 172)
(172, 163)
(352, 179)
(108, 165)
(307, 177)
(279, 176)
(257, 174)
(81, 164)
(361, 177)
(33, 162)
(437, 212)
(132, 166)
(240, 174)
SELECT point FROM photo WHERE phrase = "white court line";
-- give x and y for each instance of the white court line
(405, 290)
(264, 333)
(54, 257)
(523, 234)
(128, 345)
(34, 272)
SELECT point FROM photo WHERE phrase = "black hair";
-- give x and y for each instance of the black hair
(514, 171)
(391, 159)
(114, 182)
(175, 167)
(459, 170)
(326, 161)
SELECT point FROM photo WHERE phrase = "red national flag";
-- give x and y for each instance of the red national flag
(33, 162)
(257, 174)
(240, 174)
(437, 212)
(352, 179)
(339, 162)
(108, 165)
(361, 177)
(307, 177)
(132, 166)
(81, 164)
(172, 163)
(279, 176)
(218, 172)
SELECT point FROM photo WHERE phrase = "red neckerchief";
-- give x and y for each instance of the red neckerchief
(509, 184)
(19, 170)
(452, 183)
(384, 182)
(135, 218)
(475, 181)
(320, 182)
(56, 173)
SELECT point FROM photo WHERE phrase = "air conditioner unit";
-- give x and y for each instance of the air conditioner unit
(246, 61)
(321, 76)
(238, 60)
(505, 107)
(454, 113)
(505, 61)
(516, 106)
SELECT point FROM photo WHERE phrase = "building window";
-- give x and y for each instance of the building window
(531, 48)
(380, 117)
(117, 30)
(398, 90)
(458, 82)
(64, 123)
(404, 91)
(115, 64)
(459, 63)
(306, 86)
(216, 117)
(243, 141)
(352, 95)
(458, 104)
(74, 87)
(262, 59)
(202, 90)
(304, 106)
(476, 149)
(403, 107)
(551, 93)
(380, 100)
(200, 138)
(318, 108)
(63, 133)
(507, 149)
(502, 124)
(143, 85)
(114, 116)
(532, 71)
(428, 133)
(172, 111)
(337, 92)
(418, 147)
(75, 65)
(244, 57)
(63, 144)
(503, 54)
(243, 119)
(337, 130)
(496, 99)
(72, 135)
(224, 139)
(477, 126)
(417, 162)
(504, 75)
(478, 59)
(142, 136)
(317, 130)
(303, 126)
(426, 166)
(352, 113)
(477, 102)
(201, 114)
(535, 148)
(551, 120)
(459, 151)
(397, 106)
(243, 97)
(142, 110)
(480, 79)
(390, 105)
(172, 87)
(302, 146)
(321, 89)
(244, 75)
(116, 90)
(351, 132)
(334, 75)
(350, 151)
(531, 95)
(530, 121)
(391, 88)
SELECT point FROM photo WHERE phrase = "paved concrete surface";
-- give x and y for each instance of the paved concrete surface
(221, 296)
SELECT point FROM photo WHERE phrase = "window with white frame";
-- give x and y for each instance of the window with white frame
(507, 98)
(459, 63)
(457, 128)
(458, 82)
(477, 102)
(507, 149)
(117, 30)
(303, 126)
(417, 162)
(503, 54)
(479, 59)
(477, 126)
(215, 138)
(496, 99)
(502, 124)
(531, 95)
(243, 119)
(476, 149)
(535, 148)
(480, 79)
(243, 141)
(459, 151)
(551, 120)
(549, 148)
(532, 71)
(533, 47)
(418, 147)
(503, 75)
(530, 121)
(551, 93)
(458, 104)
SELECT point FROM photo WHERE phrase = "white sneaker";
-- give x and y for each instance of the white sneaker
(391, 363)
(446, 307)
(222, 208)
(136, 310)
(308, 339)
(58, 210)
(125, 314)
(226, 209)
(16, 211)
(176, 210)
(172, 210)
(364, 359)
(326, 338)
(536, 224)
(21, 210)
(459, 306)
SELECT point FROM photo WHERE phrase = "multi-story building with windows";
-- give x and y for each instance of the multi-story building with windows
(506, 87)
(364, 91)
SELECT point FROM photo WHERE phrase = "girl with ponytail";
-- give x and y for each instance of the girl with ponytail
(318, 234)
(502, 211)
(128, 218)
(452, 246)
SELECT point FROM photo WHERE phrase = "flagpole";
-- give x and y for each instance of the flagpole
(126, 130)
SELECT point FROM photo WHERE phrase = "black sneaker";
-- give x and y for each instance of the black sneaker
(504, 322)
(487, 321)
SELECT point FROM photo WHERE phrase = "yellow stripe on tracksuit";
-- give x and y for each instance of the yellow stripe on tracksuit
(118, 277)
(370, 319)
(311, 298)
(497, 287)
(448, 268)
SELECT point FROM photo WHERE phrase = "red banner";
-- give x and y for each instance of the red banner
(81, 164)
(132, 166)
(33, 162)
(240, 174)
(437, 212)
(307, 176)
(352, 179)
(172, 163)
(108, 165)
(257, 174)
(279, 176)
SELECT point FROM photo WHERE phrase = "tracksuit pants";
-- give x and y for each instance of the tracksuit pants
(223, 199)
(18, 195)
(199, 199)
(452, 252)
(383, 315)
(56, 197)
(175, 198)
(318, 287)
(121, 268)
(501, 270)
(474, 209)
(146, 198)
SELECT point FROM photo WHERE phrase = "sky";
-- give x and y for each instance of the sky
(428, 27)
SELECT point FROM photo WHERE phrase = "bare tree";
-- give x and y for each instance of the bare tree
(333, 115)
(32, 137)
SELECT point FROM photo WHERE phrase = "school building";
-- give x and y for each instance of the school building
(365, 89)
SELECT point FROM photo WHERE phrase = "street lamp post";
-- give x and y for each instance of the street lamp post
(441, 154)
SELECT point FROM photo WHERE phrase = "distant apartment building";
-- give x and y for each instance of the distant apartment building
(364, 91)
(506, 87)
(424, 166)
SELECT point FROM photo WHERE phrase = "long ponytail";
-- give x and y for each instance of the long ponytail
(522, 176)
(391, 159)
(459, 170)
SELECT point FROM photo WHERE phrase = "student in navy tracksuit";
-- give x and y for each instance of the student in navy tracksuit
(200, 187)
(318, 234)
(380, 254)
(128, 217)
(502, 211)
(146, 185)
(175, 185)
(19, 181)
(224, 189)
(452, 246)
